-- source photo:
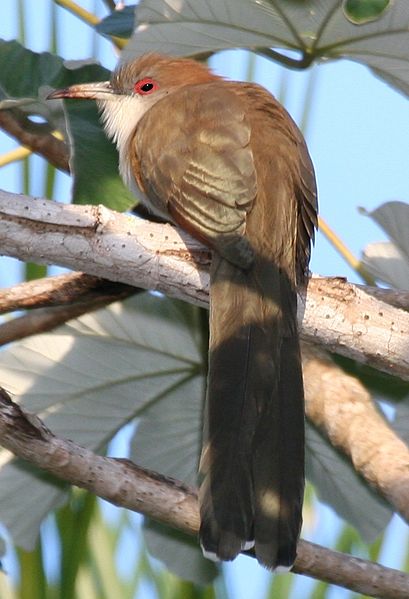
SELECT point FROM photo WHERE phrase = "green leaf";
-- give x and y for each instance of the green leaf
(119, 23)
(24, 72)
(340, 486)
(318, 30)
(86, 380)
(94, 160)
(364, 11)
(25, 80)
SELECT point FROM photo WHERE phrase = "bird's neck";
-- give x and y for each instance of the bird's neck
(120, 119)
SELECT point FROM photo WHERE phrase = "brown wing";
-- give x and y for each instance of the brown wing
(307, 210)
(286, 175)
(198, 166)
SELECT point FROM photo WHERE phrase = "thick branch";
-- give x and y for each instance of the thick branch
(394, 297)
(340, 316)
(358, 325)
(127, 485)
(341, 406)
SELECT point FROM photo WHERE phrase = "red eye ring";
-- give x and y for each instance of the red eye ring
(145, 86)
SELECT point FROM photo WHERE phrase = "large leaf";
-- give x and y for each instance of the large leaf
(119, 22)
(393, 217)
(26, 497)
(339, 486)
(318, 29)
(385, 262)
(389, 262)
(94, 160)
(400, 422)
(180, 553)
(86, 380)
(168, 438)
(25, 79)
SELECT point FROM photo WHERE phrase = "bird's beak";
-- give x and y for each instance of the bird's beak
(93, 91)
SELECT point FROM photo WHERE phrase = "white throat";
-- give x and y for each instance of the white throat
(120, 117)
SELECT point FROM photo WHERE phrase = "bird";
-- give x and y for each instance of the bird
(224, 161)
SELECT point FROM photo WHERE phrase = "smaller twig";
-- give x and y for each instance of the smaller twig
(14, 156)
(363, 577)
(46, 319)
(21, 152)
(61, 290)
(89, 18)
(117, 480)
(41, 321)
(46, 144)
(66, 297)
(78, 11)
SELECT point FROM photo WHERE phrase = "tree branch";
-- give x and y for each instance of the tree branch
(56, 300)
(47, 319)
(16, 124)
(394, 297)
(340, 316)
(61, 290)
(342, 408)
(335, 402)
(164, 499)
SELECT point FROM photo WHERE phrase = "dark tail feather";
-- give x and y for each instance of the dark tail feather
(279, 484)
(253, 452)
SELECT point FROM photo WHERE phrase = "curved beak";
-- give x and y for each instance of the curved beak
(101, 90)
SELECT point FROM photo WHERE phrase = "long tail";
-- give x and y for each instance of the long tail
(253, 453)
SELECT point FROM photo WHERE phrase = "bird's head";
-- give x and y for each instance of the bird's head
(134, 88)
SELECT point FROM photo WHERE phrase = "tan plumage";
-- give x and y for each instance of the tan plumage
(226, 162)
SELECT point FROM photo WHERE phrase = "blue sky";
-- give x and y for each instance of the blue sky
(357, 133)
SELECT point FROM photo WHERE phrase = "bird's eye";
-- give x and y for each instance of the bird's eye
(145, 86)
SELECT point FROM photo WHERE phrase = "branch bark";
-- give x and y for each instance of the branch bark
(56, 300)
(60, 290)
(341, 317)
(342, 408)
(16, 124)
(127, 485)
